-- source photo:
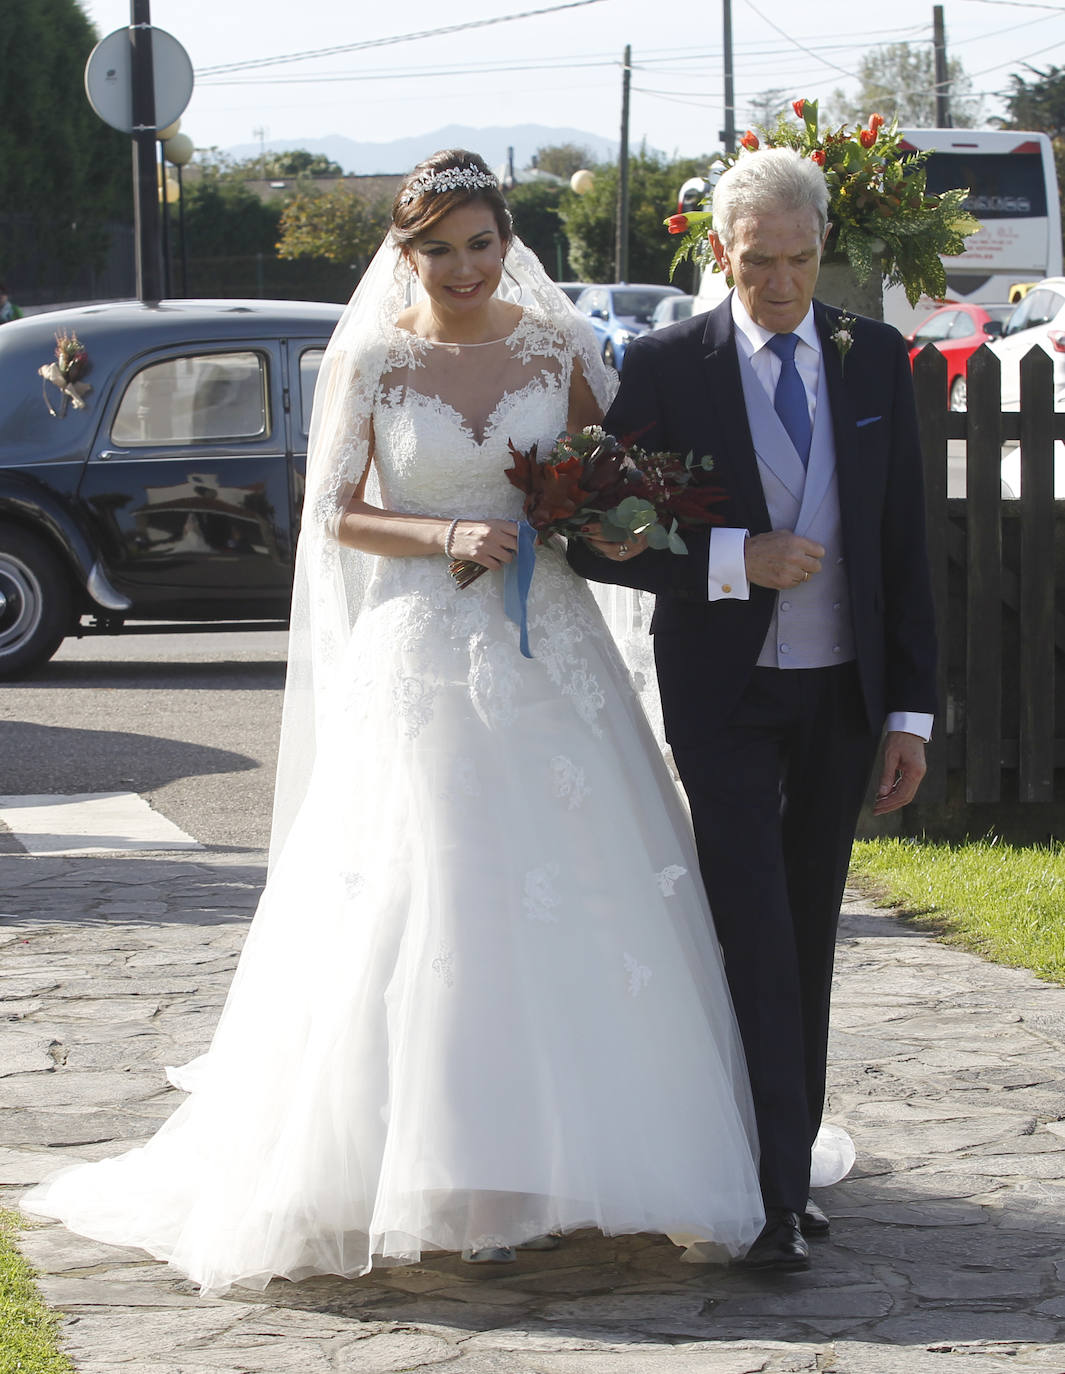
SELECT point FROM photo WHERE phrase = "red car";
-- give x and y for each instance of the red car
(958, 330)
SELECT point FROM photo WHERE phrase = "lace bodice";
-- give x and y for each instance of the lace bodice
(444, 413)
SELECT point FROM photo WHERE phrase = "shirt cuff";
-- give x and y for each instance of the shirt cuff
(726, 567)
(912, 722)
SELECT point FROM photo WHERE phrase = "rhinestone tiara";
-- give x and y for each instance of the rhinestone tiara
(450, 179)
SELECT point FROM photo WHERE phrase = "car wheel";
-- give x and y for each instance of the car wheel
(35, 601)
(609, 356)
(958, 394)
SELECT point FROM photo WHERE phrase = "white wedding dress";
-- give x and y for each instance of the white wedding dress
(480, 999)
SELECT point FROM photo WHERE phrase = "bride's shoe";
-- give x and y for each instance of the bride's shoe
(551, 1241)
(490, 1254)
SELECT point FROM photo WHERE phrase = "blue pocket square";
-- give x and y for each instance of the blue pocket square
(859, 424)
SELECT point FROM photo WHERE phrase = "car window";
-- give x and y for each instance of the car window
(310, 366)
(1020, 318)
(639, 305)
(194, 399)
(937, 327)
(963, 327)
(1046, 307)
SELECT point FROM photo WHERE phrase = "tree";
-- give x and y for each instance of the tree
(535, 206)
(590, 219)
(900, 79)
(63, 172)
(337, 225)
(1040, 105)
(225, 219)
(767, 107)
(563, 159)
(298, 162)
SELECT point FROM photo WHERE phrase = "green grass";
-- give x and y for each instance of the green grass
(1003, 902)
(28, 1330)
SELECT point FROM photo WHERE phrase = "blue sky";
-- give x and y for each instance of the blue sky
(562, 68)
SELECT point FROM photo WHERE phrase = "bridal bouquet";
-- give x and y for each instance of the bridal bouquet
(592, 476)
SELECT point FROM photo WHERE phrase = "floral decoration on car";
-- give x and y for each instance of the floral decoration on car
(71, 364)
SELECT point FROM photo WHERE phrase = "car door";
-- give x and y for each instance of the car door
(304, 362)
(189, 482)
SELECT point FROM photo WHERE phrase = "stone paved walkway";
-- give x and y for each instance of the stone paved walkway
(946, 1255)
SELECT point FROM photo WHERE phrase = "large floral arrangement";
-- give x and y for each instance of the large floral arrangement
(883, 218)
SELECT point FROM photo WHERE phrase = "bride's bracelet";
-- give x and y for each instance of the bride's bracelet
(448, 553)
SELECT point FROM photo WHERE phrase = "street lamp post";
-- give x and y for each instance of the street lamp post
(179, 150)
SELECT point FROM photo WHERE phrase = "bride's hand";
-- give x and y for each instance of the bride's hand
(488, 542)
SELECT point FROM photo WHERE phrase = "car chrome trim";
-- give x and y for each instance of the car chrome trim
(101, 591)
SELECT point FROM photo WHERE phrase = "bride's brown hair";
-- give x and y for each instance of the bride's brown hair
(417, 207)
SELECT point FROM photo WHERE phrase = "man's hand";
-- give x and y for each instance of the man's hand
(609, 548)
(904, 767)
(781, 559)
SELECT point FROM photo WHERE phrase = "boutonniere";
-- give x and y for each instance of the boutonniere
(843, 337)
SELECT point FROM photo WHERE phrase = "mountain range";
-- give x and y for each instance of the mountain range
(400, 154)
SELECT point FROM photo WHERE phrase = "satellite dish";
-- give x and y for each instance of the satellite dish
(109, 85)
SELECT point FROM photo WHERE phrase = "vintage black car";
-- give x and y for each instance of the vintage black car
(169, 493)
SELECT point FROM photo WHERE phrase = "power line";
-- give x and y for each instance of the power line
(1019, 4)
(808, 51)
(396, 38)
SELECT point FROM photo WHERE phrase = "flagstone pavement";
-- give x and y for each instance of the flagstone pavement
(946, 1254)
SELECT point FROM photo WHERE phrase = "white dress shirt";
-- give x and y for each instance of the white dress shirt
(727, 573)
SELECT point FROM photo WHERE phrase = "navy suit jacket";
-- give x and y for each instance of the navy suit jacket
(680, 391)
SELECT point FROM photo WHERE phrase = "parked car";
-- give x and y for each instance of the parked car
(620, 314)
(174, 494)
(957, 330)
(1037, 322)
(671, 309)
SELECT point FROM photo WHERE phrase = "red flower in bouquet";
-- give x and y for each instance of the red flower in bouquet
(592, 476)
(677, 224)
(749, 141)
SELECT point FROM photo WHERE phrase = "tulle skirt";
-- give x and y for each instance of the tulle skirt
(481, 998)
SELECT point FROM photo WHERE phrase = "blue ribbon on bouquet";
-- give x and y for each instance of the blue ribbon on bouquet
(517, 579)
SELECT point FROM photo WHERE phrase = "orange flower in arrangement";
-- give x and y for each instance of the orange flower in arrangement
(818, 156)
(867, 137)
(678, 224)
(798, 106)
(876, 122)
(749, 141)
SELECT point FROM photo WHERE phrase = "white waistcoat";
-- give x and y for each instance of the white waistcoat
(811, 625)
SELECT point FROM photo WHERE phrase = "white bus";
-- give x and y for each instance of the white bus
(1013, 192)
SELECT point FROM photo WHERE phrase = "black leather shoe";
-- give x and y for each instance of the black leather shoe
(813, 1221)
(780, 1244)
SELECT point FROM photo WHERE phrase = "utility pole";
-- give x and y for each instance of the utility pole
(939, 43)
(621, 246)
(149, 260)
(728, 133)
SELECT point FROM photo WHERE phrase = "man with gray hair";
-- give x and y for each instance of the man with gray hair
(792, 636)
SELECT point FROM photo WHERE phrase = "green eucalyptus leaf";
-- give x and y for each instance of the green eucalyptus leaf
(676, 543)
(657, 538)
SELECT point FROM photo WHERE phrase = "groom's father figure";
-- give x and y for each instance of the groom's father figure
(791, 637)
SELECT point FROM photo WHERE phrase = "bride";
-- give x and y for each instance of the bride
(480, 1004)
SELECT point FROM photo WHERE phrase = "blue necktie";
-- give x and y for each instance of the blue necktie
(789, 399)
